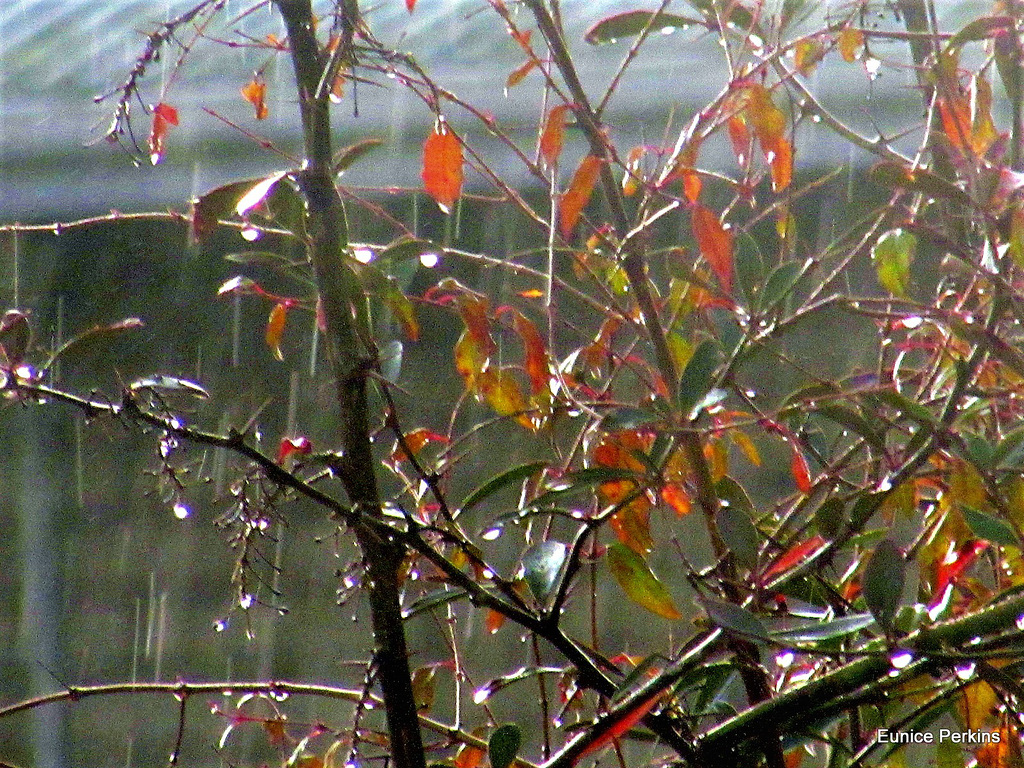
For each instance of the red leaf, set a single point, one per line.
(947, 574)
(255, 92)
(293, 445)
(675, 495)
(552, 136)
(415, 441)
(739, 137)
(536, 362)
(442, 166)
(410, 4)
(275, 328)
(801, 473)
(164, 116)
(715, 243)
(611, 732)
(576, 197)
(793, 556)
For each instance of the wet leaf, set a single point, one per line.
(424, 687)
(503, 746)
(733, 618)
(576, 197)
(883, 582)
(292, 446)
(675, 495)
(164, 116)
(552, 137)
(638, 581)
(816, 631)
(799, 469)
(470, 756)
(500, 481)
(517, 75)
(169, 384)
(715, 243)
(542, 563)
(501, 391)
(442, 166)
(633, 176)
(893, 254)
(779, 154)
(414, 441)
(793, 557)
(989, 528)
(255, 92)
(631, 23)
(275, 328)
(258, 194)
(696, 378)
(612, 729)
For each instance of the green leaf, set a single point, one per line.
(632, 23)
(696, 378)
(814, 631)
(896, 176)
(1010, 449)
(949, 754)
(501, 480)
(627, 417)
(541, 565)
(893, 254)
(344, 158)
(829, 518)
(503, 746)
(735, 524)
(850, 419)
(391, 361)
(989, 528)
(908, 408)
(884, 578)
(639, 582)
(733, 618)
(91, 340)
(980, 29)
(780, 283)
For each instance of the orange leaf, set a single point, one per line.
(633, 177)
(493, 621)
(552, 136)
(415, 441)
(293, 445)
(715, 243)
(767, 120)
(536, 362)
(611, 730)
(255, 92)
(576, 197)
(164, 116)
(468, 756)
(675, 495)
(691, 180)
(516, 75)
(739, 137)
(793, 556)
(956, 120)
(800, 471)
(850, 41)
(779, 153)
(275, 327)
(442, 166)
(474, 314)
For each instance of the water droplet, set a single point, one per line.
(1020, 622)
(250, 234)
(901, 659)
(246, 600)
(815, 118)
(181, 510)
(492, 533)
(965, 671)
(667, 30)
(480, 695)
(429, 260)
(784, 659)
(363, 255)
(220, 625)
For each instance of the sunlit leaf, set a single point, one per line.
(403, 310)
(850, 42)
(442, 166)
(552, 136)
(258, 195)
(541, 564)
(169, 384)
(893, 254)
(715, 243)
(632, 523)
(762, 114)
(633, 177)
(685, 165)
(806, 55)
(739, 137)
(470, 756)
(414, 441)
(883, 582)
(675, 495)
(164, 116)
(793, 557)
(799, 469)
(980, 29)
(536, 353)
(424, 687)
(502, 480)
(255, 92)
(503, 746)
(576, 197)
(631, 23)
(989, 528)
(275, 328)
(610, 730)
(816, 631)
(779, 154)
(696, 378)
(639, 582)
(493, 621)
(501, 391)
(293, 446)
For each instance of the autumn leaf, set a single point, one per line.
(517, 75)
(410, 4)
(275, 328)
(715, 243)
(164, 116)
(442, 166)
(612, 730)
(779, 154)
(633, 176)
(551, 137)
(639, 582)
(675, 495)
(806, 55)
(576, 197)
(798, 467)
(255, 92)
(291, 446)
(536, 362)
(739, 137)
(850, 41)
(793, 556)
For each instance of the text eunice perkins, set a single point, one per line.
(944, 734)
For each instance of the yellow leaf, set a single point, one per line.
(275, 328)
(850, 42)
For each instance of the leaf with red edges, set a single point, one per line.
(715, 243)
(442, 166)
(793, 556)
(612, 729)
(577, 196)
